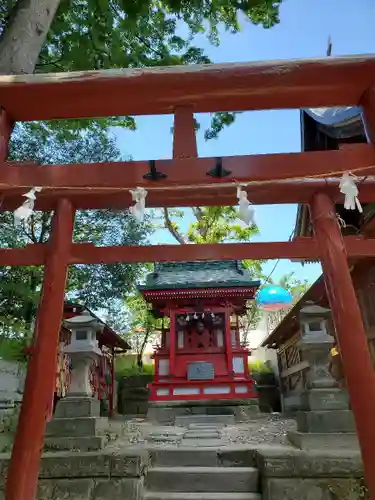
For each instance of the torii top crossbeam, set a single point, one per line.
(301, 83)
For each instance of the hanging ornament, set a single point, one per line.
(202, 315)
(246, 211)
(195, 316)
(212, 315)
(274, 298)
(138, 209)
(187, 317)
(24, 212)
(349, 188)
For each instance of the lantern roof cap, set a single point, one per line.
(314, 309)
(198, 274)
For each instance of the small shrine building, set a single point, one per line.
(200, 356)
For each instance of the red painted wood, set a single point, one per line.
(5, 132)
(219, 87)
(219, 194)
(188, 171)
(184, 139)
(41, 372)
(351, 335)
(368, 106)
(301, 248)
(172, 342)
(228, 343)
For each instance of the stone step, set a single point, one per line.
(187, 420)
(203, 426)
(205, 443)
(235, 456)
(83, 443)
(203, 479)
(160, 495)
(317, 441)
(202, 434)
(325, 421)
(184, 457)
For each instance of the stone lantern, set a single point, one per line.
(315, 344)
(77, 423)
(324, 420)
(82, 350)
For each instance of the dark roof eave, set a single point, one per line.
(192, 286)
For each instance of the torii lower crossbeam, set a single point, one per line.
(87, 253)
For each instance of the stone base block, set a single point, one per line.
(76, 427)
(325, 421)
(71, 407)
(316, 441)
(85, 443)
(342, 488)
(324, 399)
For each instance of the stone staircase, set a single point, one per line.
(200, 469)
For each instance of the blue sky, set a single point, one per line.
(303, 32)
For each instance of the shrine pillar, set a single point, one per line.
(172, 341)
(350, 332)
(228, 342)
(41, 371)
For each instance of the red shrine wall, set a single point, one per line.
(201, 358)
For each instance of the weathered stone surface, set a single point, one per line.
(325, 421)
(240, 457)
(281, 461)
(84, 443)
(315, 441)
(77, 407)
(129, 465)
(203, 479)
(182, 457)
(45, 490)
(325, 399)
(71, 427)
(202, 434)
(313, 489)
(186, 420)
(117, 489)
(76, 489)
(74, 464)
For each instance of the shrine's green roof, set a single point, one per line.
(198, 274)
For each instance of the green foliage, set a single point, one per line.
(143, 326)
(103, 34)
(259, 367)
(99, 286)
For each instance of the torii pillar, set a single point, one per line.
(41, 371)
(350, 332)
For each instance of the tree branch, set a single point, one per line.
(168, 224)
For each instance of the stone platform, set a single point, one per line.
(174, 412)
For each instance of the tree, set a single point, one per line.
(49, 35)
(99, 286)
(143, 326)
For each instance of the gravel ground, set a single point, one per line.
(265, 429)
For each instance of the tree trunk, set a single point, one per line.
(25, 34)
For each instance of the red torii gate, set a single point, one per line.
(190, 181)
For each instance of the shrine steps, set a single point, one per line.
(201, 496)
(203, 479)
